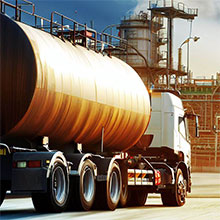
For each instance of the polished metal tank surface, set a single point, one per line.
(51, 88)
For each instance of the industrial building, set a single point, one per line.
(202, 97)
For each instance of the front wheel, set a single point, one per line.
(176, 196)
(55, 199)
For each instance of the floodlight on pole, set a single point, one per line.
(180, 53)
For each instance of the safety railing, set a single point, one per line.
(80, 34)
(18, 11)
(64, 27)
(153, 4)
(18, 7)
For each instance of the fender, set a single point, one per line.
(5, 146)
(181, 165)
(103, 166)
(77, 161)
(57, 155)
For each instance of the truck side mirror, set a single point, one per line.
(197, 125)
(192, 116)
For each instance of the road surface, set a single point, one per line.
(202, 204)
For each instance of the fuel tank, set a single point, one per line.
(50, 87)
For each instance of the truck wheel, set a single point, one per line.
(124, 188)
(108, 192)
(177, 196)
(55, 200)
(136, 198)
(113, 186)
(124, 195)
(82, 188)
(2, 192)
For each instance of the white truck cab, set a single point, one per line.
(168, 124)
(166, 145)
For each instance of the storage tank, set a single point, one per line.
(69, 93)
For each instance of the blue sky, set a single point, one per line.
(204, 54)
(102, 12)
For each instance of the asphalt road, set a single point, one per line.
(202, 204)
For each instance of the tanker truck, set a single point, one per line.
(79, 129)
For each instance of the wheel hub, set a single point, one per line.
(181, 188)
(88, 184)
(114, 186)
(59, 185)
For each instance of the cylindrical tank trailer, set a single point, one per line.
(69, 93)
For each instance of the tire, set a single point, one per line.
(82, 188)
(108, 192)
(124, 196)
(55, 200)
(113, 187)
(2, 192)
(176, 196)
(136, 198)
(124, 188)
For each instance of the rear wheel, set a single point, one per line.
(2, 192)
(113, 187)
(55, 200)
(124, 188)
(124, 195)
(176, 196)
(108, 192)
(82, 189)
(136, 198)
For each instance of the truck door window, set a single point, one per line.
(182, 126)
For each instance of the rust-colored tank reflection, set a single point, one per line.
(51, 88)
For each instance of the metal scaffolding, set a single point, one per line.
(170, 10)
(148, 33)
